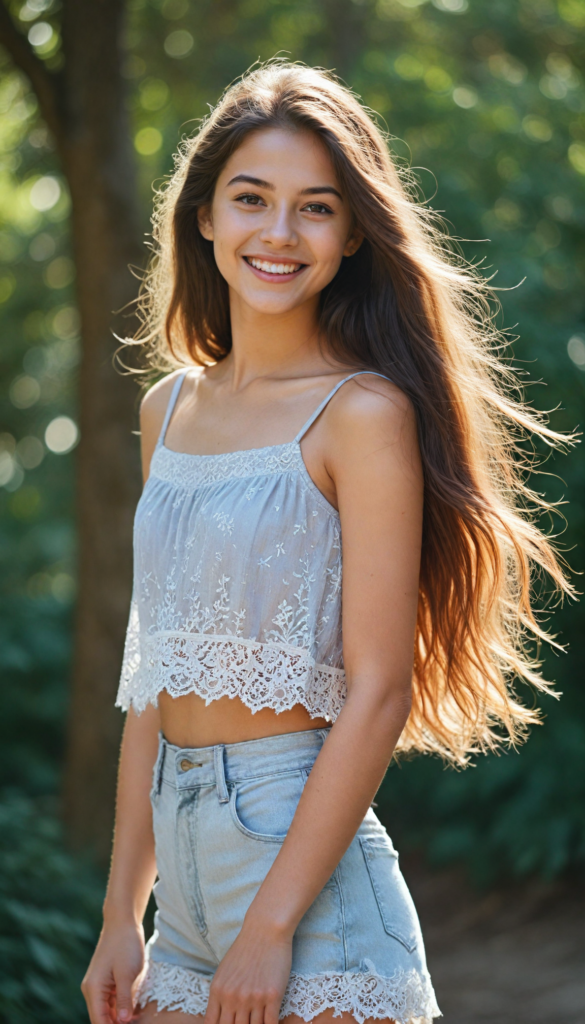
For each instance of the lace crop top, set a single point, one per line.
(237, 581)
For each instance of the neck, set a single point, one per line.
(273, 345)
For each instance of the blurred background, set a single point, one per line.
(486, 99)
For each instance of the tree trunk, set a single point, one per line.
(98, 162)
(84, 105)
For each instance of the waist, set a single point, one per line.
(189, 721)
(191, 767)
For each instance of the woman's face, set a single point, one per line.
(278, 220)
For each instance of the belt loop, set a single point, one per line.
(218, 764)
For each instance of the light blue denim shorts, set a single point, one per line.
(220, 816)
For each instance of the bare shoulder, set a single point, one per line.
(152, 413)
(371, 451)
(154, 403)
(369, 410)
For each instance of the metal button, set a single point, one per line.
(186, 765)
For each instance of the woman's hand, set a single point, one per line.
(109, 983)
(250, 981)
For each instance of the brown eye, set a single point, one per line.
(249, 199)
(317, 208)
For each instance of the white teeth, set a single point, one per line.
(274, 268)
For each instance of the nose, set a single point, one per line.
(278, 228)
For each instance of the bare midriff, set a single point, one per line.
(187, 722)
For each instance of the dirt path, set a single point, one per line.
(511, 956)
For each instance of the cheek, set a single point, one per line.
(226, 241)
(227, 233)
(328, 247)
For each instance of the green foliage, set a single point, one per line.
(487, 101)
(38, 356)
(49, 918)
(489, 97)
(510, 816)
(49, 901)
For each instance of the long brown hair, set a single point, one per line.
(407, 305)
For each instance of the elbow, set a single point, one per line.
(391, 716)
(397, 706)
(388, 703)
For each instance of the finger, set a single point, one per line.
(242, 1014)
(98, 1000)
(227, 1011)
(257, 1014)
(213, 1010)
(112, 1005)
(124, 1000)
(272, 1009)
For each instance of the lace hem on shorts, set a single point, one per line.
(262, 675)
(407, 997)
(173, 988)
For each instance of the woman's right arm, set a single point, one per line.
(119, 956)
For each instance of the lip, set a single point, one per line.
(273, 278)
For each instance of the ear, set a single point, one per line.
(205, 222)
(353, 243)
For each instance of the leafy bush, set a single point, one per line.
(49, 917)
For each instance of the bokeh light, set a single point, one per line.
(61, 435)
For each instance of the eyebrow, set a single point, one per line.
(314, 191)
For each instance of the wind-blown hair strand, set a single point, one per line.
(407, 305)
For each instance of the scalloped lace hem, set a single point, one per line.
(406, 998)
(173, 988)
(262, 675)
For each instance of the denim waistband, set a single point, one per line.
(189, 767)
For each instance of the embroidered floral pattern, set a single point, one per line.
(225, 523)
(237, 584)
(407, 997)
(219, 618)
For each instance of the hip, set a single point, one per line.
(220, 816)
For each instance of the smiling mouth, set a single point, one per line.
(274, 268)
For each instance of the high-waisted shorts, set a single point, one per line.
(220, 816)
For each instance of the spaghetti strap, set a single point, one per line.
(172, 402)
(328, 398)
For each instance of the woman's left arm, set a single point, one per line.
(375, 466)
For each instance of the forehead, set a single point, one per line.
(287, 158)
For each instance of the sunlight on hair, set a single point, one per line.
(409, 306)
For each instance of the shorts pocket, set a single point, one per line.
(264, 808)
(394, 901)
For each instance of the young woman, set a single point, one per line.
(337, 396)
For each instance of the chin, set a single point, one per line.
(269, 304)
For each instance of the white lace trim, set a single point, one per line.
(262, 675)
(407, 997)
(173, 988)
(190, 471)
